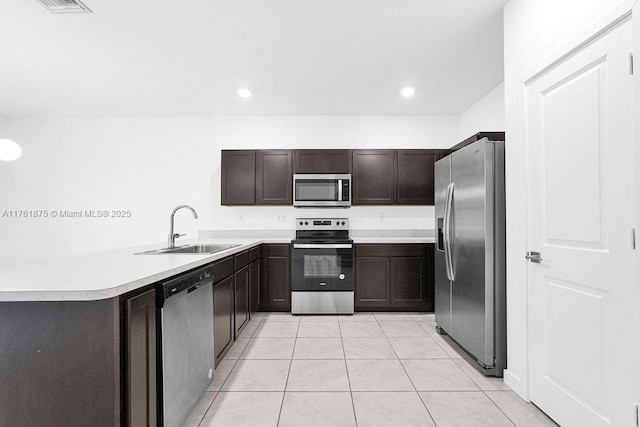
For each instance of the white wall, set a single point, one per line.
(151, 165)
(533, 29)
(485, 115)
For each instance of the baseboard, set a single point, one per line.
(516, 384)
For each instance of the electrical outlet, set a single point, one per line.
(381, 215)
(282, 218)
(241, 217)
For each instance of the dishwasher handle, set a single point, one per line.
(186, 283)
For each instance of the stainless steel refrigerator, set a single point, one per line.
(470, 303)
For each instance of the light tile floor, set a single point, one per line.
(362, 370)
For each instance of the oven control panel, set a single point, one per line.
(322, 223)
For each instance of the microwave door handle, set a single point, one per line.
(339, 190)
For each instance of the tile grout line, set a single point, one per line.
(208, 407)
(225, 380)
(498, 406)
(284, 392)
(405, 371)
(344, 354)
(477, 385)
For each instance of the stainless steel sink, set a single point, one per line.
(189, 249)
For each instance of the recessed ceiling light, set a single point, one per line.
(408, 91)
(243, 92)
(9, 150)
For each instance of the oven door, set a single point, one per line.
(322, 267)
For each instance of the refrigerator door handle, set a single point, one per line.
(444, 232)
(447, 233)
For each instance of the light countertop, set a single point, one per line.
(101, 275)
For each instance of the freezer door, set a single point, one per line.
(442, 284)
(472, 255)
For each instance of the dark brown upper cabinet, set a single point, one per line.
(374, 177)
(493, 136)
(379, 177)
(415, 176)
(322, 161)
(274, 172)
(238, 177)
(251, 177)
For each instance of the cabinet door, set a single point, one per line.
(415, 176)
(274, 177)
(308, 161)
(241, 298)
(223, 317)
(373, 276)
(238, 177)
(430, 277)
(322, 161)
(254, 286)
(141, 359)
(408, 276)
(337, 161)
(276, 284)
(374, 177)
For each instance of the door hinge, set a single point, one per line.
(635, 406)
(631, 63)
(633, 238)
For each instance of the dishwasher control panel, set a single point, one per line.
(188, 282)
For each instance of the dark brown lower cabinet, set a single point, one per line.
(254, 286)
(408, 279)
(241, 298)
(223, 306)
(275, 289)
(141, 359)
(61, 363)
(394, 277)
(373, 275)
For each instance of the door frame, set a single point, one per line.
(520, 382)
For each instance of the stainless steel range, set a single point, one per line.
(322, 267)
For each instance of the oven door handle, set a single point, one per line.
(322, 246)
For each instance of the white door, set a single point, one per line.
(580, 213)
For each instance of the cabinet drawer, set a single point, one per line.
(254, 253)
(391, 250)
(242, 259)
(278, 250)
(223, 269)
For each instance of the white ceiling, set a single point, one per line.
(188, 57)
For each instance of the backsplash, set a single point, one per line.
(290, 234)
(360, 217)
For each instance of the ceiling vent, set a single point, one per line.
(65, 6)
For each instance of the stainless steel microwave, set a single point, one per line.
(312, 190)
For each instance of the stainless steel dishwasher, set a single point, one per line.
(186, 344)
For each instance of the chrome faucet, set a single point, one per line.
(172, 237)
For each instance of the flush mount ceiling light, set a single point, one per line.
(9, 150)
(408, 91)
(243, 92)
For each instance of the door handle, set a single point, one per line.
(447, 233)
(444, 232)
(534, 257)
